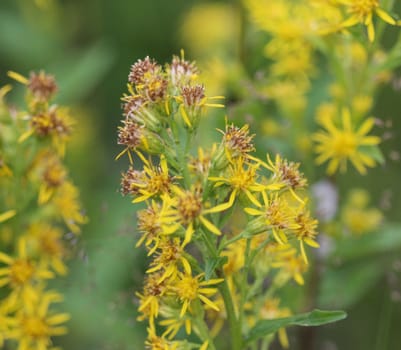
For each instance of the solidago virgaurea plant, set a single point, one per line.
(39, 212)
(314, 77)
(224, 229)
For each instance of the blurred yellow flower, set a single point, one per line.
(340, 144)
(362, 11)
(357, 216)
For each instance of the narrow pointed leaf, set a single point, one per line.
(313, 318)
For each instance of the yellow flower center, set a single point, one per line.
(189, 207)
(54, 175)
(21, 271)
(275, 214)
(243, 178)
(159, 182)
(187, 288)
(153, 287)
(363, 8)
(35, 327)
(344, 144)
(51, 246)
(149, 221)
(170, 252)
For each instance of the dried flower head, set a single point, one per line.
(130, 135)
(155, 89)
(286, 173)
(193, 95)
(130, 177)
(142, 68)
(42, 86)
(132, 104)
(51, 122)
(237, 140)
(182, 72)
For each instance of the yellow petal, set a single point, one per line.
(385, 16)
(212, 228)
(18, 77)
(7, 215)
(57, 319)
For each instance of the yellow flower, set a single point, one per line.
(152, 224)
(153, 181)
(47, 243)
(189, 288)
(35, 324)
(200, 166)
(362, 11)
(154, 342)
(53, 176)
(285, 258)
(285, 174)
(68, 207)
(54, 123)
(305, 231)
(7, 307)
(153, 290)
(188, 210)
(174, 324)
(241, 176)
(235, 254)
(21, 270)
(169, 257)
(220, 31)
(338, 145)
(276, 214)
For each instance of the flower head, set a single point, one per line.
(181, 71)
(340, 144)
(35, 324)
(42, 86)
(149, 302)
(67, 205)
(362, 11)
(189, 288)
(21, 270)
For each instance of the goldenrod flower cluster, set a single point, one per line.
(218, 222)
(39, 209)
(300, 34)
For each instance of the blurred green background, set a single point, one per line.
(89, 46)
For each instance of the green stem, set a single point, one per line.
(234, 324)
(184, 158)
(244, 283)
(242, 33)
(203, 332)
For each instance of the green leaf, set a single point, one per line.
(313, 318)
(212, 264)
